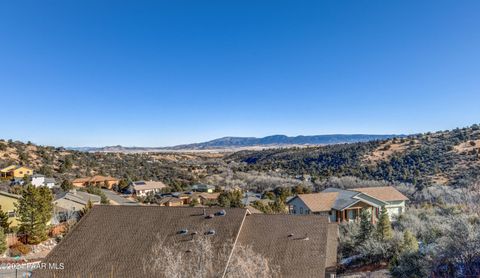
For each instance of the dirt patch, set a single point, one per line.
(440, 179)
(387, 149)
(467, 146)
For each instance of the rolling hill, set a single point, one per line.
(444, 157)
(233, 143)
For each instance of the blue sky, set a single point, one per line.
(155, 73)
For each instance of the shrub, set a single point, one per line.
(19, 249)
(411, 265)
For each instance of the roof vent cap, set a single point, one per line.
(211, 232)
(222, 212)
(183, 231)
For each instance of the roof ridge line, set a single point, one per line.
(234, 244)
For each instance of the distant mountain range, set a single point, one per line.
(227, 143)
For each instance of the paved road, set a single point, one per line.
(117, 199)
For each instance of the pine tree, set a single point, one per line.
(4, 223)
(3, 242)
(366, 227)
(35, 210)
(384, 227)
(278, 206)
(410, 243)
(122, 185)
(66, 185)
(230, 199)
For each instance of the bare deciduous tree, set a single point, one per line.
(201, 257)
(246, 263)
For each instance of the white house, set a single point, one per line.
(41, 180)
(142, 188)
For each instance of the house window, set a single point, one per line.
(301, 210)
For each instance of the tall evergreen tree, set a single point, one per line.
(384, 227)
(122, 185)
(410, 243)
(66, 185)
(3, 242)
(366, 227)
(35, 210)
(4, 223)
(230, 199)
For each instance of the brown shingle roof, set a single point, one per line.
(383, 193)
(282, 239)
(318, 202)
(209, 196)
(116, 239)
(119, 238)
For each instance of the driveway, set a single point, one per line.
(117, 199)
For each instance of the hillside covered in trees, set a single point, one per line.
(444, 157)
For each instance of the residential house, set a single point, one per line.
(204, 198)
(299, 246)
(395, 202)
(98, 181)
(15, 172)
(203, 188)
(170, 201)
(142, 188)
(346, 205)
(69, 204)
(41, 180)
(208, 198)
(7, 203)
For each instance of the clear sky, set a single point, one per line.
(156, 73)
